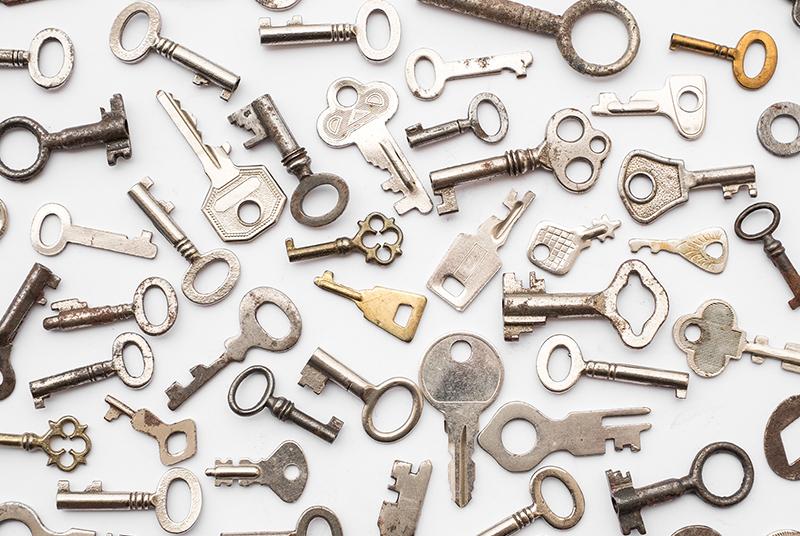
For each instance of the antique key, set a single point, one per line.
(629, 501)
(554, 154)
(323, 367)
(111, 131)
(205, 71)
(146, 422)
(29, 441)
(399, 517)
(364, 124)
(30, 58)
(668, 183)
(417, 136)
(307, 517)
(43, 388)
(251, 335)
(693, 248)
(526, 308)
(382, 253)
(14, 511)
(561, 246)
(461, 390)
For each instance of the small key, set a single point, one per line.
(269, 472)
(671, 379)
(282, 408)
(736, 55)
(382, 253)
(30, 293)
(472, 259)
(516, 62)
(303, 524)
(554, 154)
(29, 441)
(784, 417)
(297, 33)
(364, 124)
(461, 390)
(668, 183)
(323, 367)
(111, 131)
(694, 248)
(417, 136)
(14, 511)
(95, 498)
(30, 58)
(146, 422)
(400, 517)
(628, 501)
(205, 71)
(562, 246)
(526, 308)
(251, 335)
(766, 136)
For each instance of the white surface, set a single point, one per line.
(351, 476)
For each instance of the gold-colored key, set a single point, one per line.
(58, 429)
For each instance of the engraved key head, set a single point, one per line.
(719, 339)
(339, 124)
(665, 178)
(159, 499)
(126, 340)
(273, 471)
(563, 247)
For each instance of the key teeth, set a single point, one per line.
(313, 379)
(617, 480)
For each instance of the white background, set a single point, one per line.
(351, 476)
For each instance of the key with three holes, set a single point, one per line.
(418, 136)
(30, 58)
(564, 245)
(303, 524)
(29, 441)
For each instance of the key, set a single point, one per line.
(111, 131)
(375, 224)
(461, 391)
(400, 517)
(696, 530)
(561, 246)
(278, 5)
(251, 335)
(323, 367)
(14, 511)
(30, 293)
(736, 55)
(159, 213)
(628, 501)
(417, 136)
(3, 218)
(526, 308)
(694, 248)
(668, 182)
(205, 71)
(264, 120)
(74, 313)
(30, 58)
(232, 186)
(61, 458)
(689, 120)
(269, 472)
(516, 62)
(97, 499)
(782, 418)
(553, 154)
(764, 128)
(364, 124)
(796, 12)
(472, 260)
(146, 422)
(307, 517)
(297, 33)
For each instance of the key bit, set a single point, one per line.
(399, 518)
(14, 511)
(71, 458)
(563, 246)
(693, 248)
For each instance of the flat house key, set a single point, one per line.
(417, 136)
(14, 511)
(30, 58)
(461, 390)
(303, 524)
(694, 248)
(57, 430)
(399, 517)
(561, 246)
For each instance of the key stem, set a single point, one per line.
(88, 316)
(326, 282)
(702, 46)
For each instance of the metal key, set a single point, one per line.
(628, 501)
(417, 136)
(554, 154)
(696, 530)
(796, 11)
(472, 259)
(364, 124)
(516, 62)
(618, 372)
(693, 248)
(205, 71)
(30, 58)
(251, 335)
(111, 131)
(269, 472)
(14, 511)
(42, 389)
(323, 367)
(29, 441)
(315, 512)
(461, 391)
(526, 308)
(784, 417)
(146, 422)
(562, 246)
(400, 517)
(30, 293)
(669, 182)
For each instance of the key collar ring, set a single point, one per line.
(262, 402)
(195, 500)
(304, 188)
(474, 120)
(707, 495)
(201, 261)
(374, 395)
(58, 79)
(149, 40)
(577, 364)
(132, 339)
(770, 59)
(319, 512)
(764, 233)
(38, 131)
(541, 507)
(362, 40)
(65, 221)
(140, 314)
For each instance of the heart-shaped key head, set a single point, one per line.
(668, 187)
(375, 101)
(719, 341)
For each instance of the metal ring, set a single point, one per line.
(150, 37)
(697, 474)
(372, 401)
(576, 368)
(768, 230)
(305, 187)
(362, 39)
(225, 288)
(259, 406)
(58, 79)
(372, 253)
(140, 314)
(3, 218)
(540, 505)
(64, 219)
(132, 339)
(474, 120)
(770, 59)
(195, 500)
(437, 86)
(26, 123)
(319, 512)
(764, 129)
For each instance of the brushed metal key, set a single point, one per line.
(66, 460)
(563, 246)
(399, 517)
(30, 58)
(303, 524)
(418, 136)
(694, 248)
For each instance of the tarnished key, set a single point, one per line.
(399, 517)
(694, 248)
(14, 511)
(417, 136)
(30, 58)
(461, 391)
(560, 247)
(58, 430)
(307, 517)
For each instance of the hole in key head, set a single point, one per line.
(559, 364)
(757, 221)
(319, 200)
(461, 351)
(51, 57)
(692, 332)
(178, 500)
(640, 187)
(378, 30)
(689, 100)
(557, 496)
(12, 527)
(714, 249)
(155, 301)
(403, 314)
(134, 31)
(518, 436)
(291, 472)
(318, 527)
(19, 148)
(273, 320)
(597, 145)
(599, 37)
(724, 472)
(392, 411)
(249, 212)
(790, 437)
(785, 129)
(636, 303)
(176, 443)
(346, 96)
(424, 73)
(489, 118)
(579, 170)
(754, 58)
(452, 286)
(570, 129)
(541, 252)
(50, 231)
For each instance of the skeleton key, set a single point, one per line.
(693, 248)
(461, 391)
(516, 62)
(563, 246)
(29, 441)
(315, 512)
(472, 259)
(14, 511)
(399, 517)
(417, 136)
(364, 124)
(30, 58)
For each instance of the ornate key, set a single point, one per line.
(29, 441)
(417, 136)
(14, 511)
(30, 58)
(399, 517)
(562, 246)
(315, 512)
(693, 248)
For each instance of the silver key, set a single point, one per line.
(563, 246)
(364, 124)
(461, 391)
(417, 136)
(14, 511)
(399, 518)
(516, 62)
(30, 58)
(693, 248)
(315, 512)
(142, 246)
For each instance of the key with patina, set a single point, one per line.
(66, 460)
(399, 518)
(562, 246)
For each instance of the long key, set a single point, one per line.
(629, 501)
(30, 58)
(307, 517)
(364, 124)
(693, 248)
(562, 246)
(417, 136)
(14, 511)
(58, 430)
(400, 517)
(461, 390)
(516, 62)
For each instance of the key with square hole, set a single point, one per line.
(400, 517)
(30, 58)
(303, 524)
(418, 136)
(565, 245)
(693, 248)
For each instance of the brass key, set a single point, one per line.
(29, 441)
